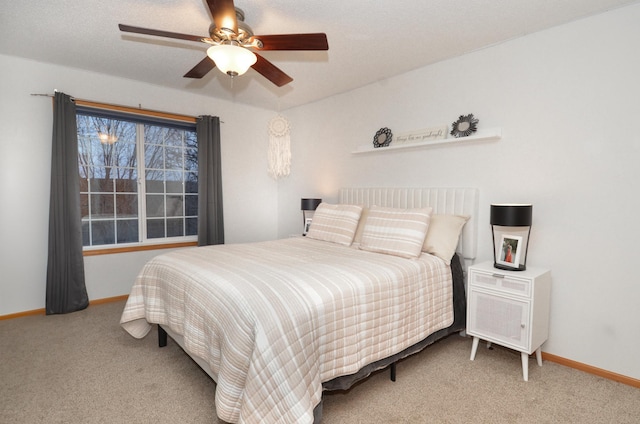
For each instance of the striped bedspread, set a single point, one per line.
(276, 319)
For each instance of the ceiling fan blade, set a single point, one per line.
(271, 72)
(314, 41)
(201, 69)
(223, 13)
(159, 33)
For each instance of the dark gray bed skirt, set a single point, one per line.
(459, 324)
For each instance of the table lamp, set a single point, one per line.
(511, 227)
(308, 205)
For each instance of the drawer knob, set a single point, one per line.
(497, 275)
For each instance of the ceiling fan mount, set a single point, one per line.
(229, 29)
(244, 36)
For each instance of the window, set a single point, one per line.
(138, 178)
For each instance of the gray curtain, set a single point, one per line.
(66, 290)
(210, 219)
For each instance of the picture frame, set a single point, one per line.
(509, 250)
(307, 225)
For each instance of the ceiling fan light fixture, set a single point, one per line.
(232, 59)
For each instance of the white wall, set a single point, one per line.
(567, 101)
(25, 157)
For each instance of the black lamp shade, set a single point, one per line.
(511, 215)
(511, 228)
(309, 204)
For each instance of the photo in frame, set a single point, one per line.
(508, 251)
(307, 225)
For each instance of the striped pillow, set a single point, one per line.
(399, 232)
(335, 223)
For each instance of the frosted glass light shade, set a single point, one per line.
(107, 138)
(232, 60)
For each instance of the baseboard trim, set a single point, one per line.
(23, 314)
(591, 369)
(42, 311)
(108, 300)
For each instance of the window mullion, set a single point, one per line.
(142, 192)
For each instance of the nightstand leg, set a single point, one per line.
(539, 356)
(525, 365)
(474, 348)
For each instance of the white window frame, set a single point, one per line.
(152, 118)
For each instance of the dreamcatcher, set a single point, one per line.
(279, 147)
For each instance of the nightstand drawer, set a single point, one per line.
(501, 282)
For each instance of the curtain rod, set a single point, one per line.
(130, 109)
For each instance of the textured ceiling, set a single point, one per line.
(368, 40)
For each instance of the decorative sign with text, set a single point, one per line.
(427, 134)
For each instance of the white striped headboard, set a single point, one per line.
(459, 201)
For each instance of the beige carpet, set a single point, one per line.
(83, 368)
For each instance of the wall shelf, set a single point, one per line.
(491, 134)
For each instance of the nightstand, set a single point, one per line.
(509, 308)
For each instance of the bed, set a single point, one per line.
(277, 323)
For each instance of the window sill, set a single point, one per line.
(108, 251)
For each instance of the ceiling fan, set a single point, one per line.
(233, 44)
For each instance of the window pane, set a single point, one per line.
(191, 160)
(191, 140)
(154, 134)
(155, 228)
(127, 183)
(102, 232)
(173, 137)
(174, 182)
(191, 182)
(173, 158)
(127, 205)
(107, 153)
(96, 172)
(175, 227)
(154, 181)
(155, 206)
(174, 206)
(102, 206)
(192, 226)
(124, 155)
(127, 231)
(191, 205)
(86, 240)
(153, 156)
(84, 206)
(174, 186)
(83, 172)
(103, 185)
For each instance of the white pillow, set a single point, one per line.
(443, 235)
(335, 223)
(393, 231)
